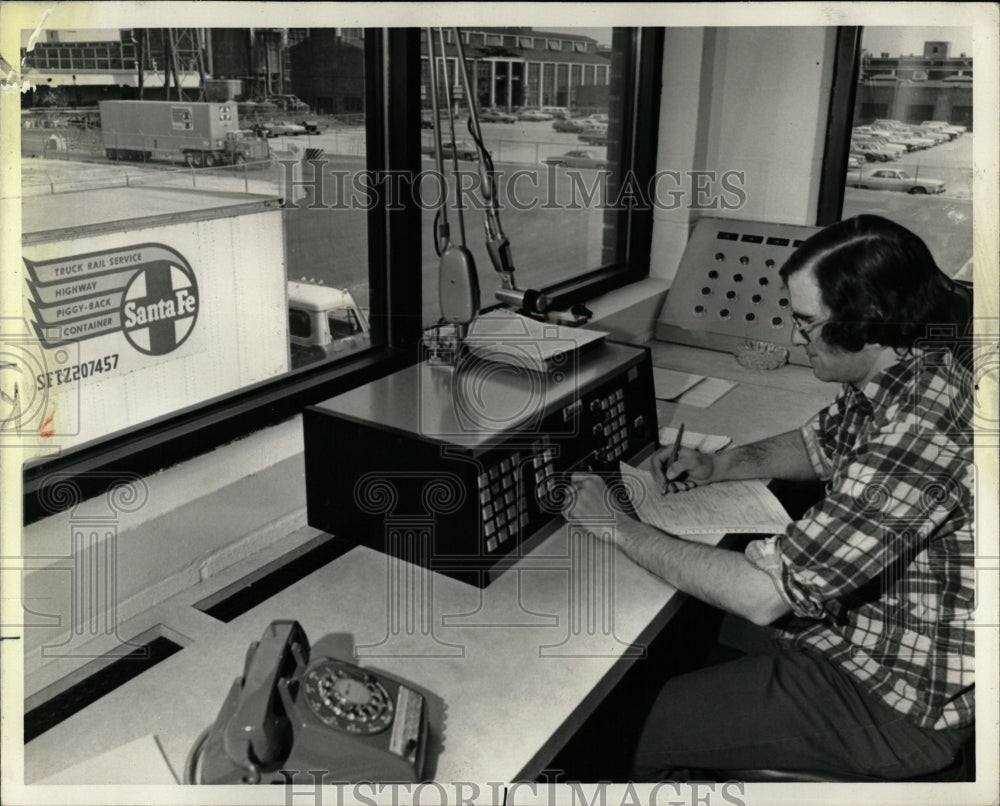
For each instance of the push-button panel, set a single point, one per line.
(728, 293)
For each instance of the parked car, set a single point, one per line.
(944, 126)
(497, 116)
(936, 135)
(561, 125)
(464, 149)
(855, 161)
(883, 141)
(866, 156)
(895, 179)
(876, 151)
(533, 114)
(579, 158)
(311, 126)
(595, 137)
(556, 111)
(280, 128)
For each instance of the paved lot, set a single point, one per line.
(551, 237)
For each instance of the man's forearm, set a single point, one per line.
(720, 577)
(779, 457)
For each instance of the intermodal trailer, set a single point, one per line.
(142, 301)
(200, 134)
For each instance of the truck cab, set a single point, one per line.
(322, 322)
(243, 145)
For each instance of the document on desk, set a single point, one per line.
(729, 506)
(704, 394)
(669, 384)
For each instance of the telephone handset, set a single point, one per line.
(290, 714)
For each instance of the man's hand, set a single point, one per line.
(691, 466)
(591, 504)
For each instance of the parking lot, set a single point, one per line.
(552, 238)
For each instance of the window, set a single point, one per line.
(494, 39)
(224, 370)
(526, 42)
(924, 130)
(564, 223)
(532, 85)
(555, 44)
(343, 322)
(580, 47)
(193, 342)
(299, 324)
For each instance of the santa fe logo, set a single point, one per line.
(148, 292)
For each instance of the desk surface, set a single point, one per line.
(517, 667)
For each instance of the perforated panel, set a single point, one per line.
(728, 289)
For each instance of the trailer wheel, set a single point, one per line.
(112, 153)
(208, 158)
(193, 159)
(239, 159)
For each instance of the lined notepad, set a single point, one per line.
(728, 506)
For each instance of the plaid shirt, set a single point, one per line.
(880, 572)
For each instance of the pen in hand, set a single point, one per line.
(674, 455)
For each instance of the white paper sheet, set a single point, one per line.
(706, 443)
(706, 393)
(729, 506)
(669, 385)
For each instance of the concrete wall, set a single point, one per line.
(750, 101)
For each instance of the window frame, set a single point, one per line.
(839, 122)
(392, 91)
(635, 228)
(393, 104)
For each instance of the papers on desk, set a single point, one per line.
(669, 385)
(687, 388)
(706, 443)
(729, 506)
(137, 762)
(704, 394)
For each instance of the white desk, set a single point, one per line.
(518, 666)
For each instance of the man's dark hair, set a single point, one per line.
(878, 280)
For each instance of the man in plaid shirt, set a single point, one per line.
(866, 667)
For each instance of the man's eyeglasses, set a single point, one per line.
(806, 328)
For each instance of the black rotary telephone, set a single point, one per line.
(291, 715)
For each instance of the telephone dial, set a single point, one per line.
(291, 714)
